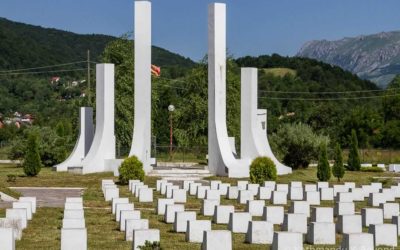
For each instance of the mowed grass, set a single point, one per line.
(281, 72)
(44, 230)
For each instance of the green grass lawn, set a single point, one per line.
(280, 71)
(43, 231)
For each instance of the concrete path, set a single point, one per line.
(49, 196)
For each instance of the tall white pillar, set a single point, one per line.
(220, 158)
(253, 137)
(82, 146)
(141, 141)
(103, 145)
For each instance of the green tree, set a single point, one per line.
(32, 163)
(60, 129)
(298, 144)
(323, 168)
(354, 163)
(338, 169)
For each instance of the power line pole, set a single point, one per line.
(88, 76)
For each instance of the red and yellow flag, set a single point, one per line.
(155, 70)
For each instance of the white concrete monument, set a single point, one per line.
(253, 123)
(141, 141)
(82, 146)
(103, 145)
(221, 161)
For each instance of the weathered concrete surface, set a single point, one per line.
(49, 197)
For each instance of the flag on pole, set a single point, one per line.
(155, 71)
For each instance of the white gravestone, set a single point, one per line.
(348, 224)
(371, 216)
(195, 230)
(296, 223)
(181, 219)
(7, 241)
(208, 207)
(170, 210)
(140, 237)
(321, 233)
(74, 239)
(287, 241)
(260, 232)
(161, 205)
(222, 213)
(273, 214)
(132, 225)
(239, 222)
(384, 234)
(357, 241)
(217, 240)
(127, 215)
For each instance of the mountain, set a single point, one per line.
(374, 57)
(23, 46)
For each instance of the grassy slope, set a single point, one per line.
(43, 231)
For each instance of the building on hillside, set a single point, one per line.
(27, 119)
(55, 79)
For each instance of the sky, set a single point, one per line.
(254, 27)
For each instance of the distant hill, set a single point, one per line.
(315, 75)
(374, 57)
(23, 45)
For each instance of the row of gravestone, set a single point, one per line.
(73, 231)
(322, 228)
(136, 229)
(16, 221)
(319, 232)
(295, 222)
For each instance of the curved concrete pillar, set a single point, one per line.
(141, 141)
(232, 142)
(103, 145)
(82, 146)
(220, 158)
(253, 122)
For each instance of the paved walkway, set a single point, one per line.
(49, 196)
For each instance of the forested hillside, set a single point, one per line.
(294, 90)
(24, 46)
(47, 53)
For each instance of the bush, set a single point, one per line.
(372, 169)
(298, 144)
(52, 148)
(32, 162)
(131, 169)
(354, 163)
(323, 168)
(155, 245)
(262, 169)
(338, 167)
